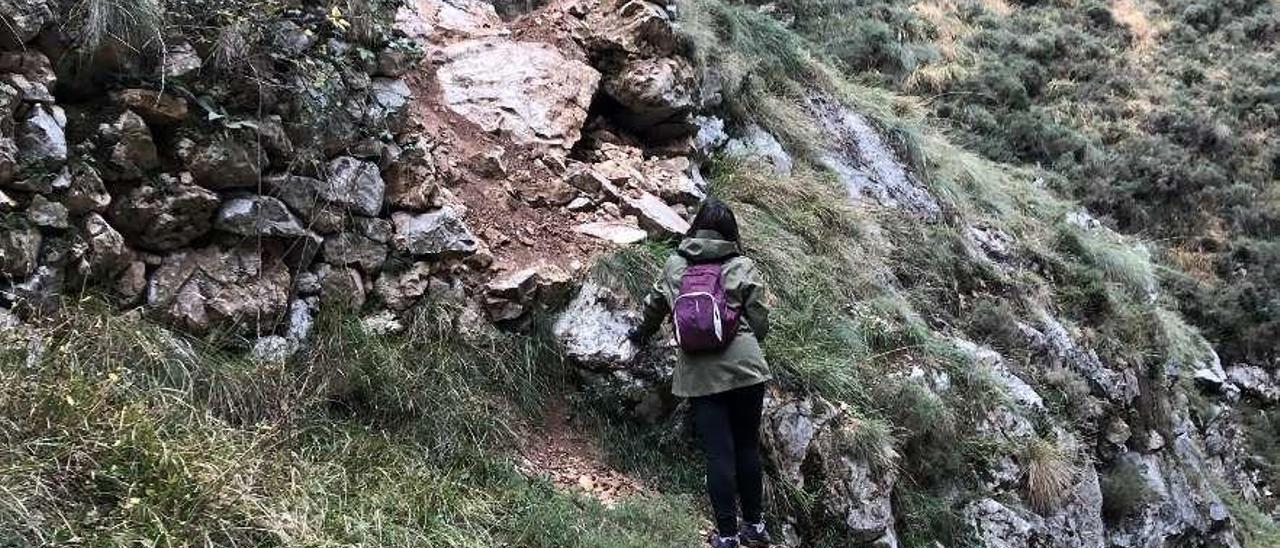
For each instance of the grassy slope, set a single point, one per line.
(122, 432)
(865, 292)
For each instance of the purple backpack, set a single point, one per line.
(701, 314)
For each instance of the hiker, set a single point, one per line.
(715, 296)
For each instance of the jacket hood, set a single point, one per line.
(706, 245)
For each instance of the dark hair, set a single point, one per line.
(715, 215)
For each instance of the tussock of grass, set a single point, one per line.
(1050, 474)
(1120, 262)
(135, 25)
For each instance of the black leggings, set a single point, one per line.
(728, 424)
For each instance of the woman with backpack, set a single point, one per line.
(715, 298)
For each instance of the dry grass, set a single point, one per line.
(1049, 474)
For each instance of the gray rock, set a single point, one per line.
(29, 90)
(226, 163)
(436, 234)
(1255, 382)
(107, 254)
(867, 166)
(412, 180)
(19, 248)
(389, 101)
(1180, 504)
(258, 216)
(180, 59)
(292, 39)
(542, 99)
(87, 191)
(354, 184)
(509, 296)
(1056, 344)
(581, 203)
(804, 437)
(401, 289)
(45, 213)
(165, 217)
(593, 328)
(633, 27)
(134, 153)
(7, 203)
(652, 90)
(349, 248)
(656, 217)
(618, 232)
(382, 323)
(307, 283)
(340, 287)
(237, 289)
(8, 160)
(760, 147)
(22, 20)
(153, 106)
(41, 139)
(393, 62)
(710, 135)
(998, 526)
(272, 349)
(132, 282)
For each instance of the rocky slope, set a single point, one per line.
(488, 161)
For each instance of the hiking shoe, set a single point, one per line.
(754, 535)
(717, 541)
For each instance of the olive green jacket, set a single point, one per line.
(742, 363)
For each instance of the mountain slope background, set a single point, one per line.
(966, 354)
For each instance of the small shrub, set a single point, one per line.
(1124, 491)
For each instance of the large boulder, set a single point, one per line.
(542, 99)
(226, 163)
(258, 216)
(631, 27)
(439, 234)
(41, 137)
(166, 216)
(656, 95)
(593, 328)
(238, 289)
(19, 249)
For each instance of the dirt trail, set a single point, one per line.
(558, 451)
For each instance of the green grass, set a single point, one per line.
(120, 432)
